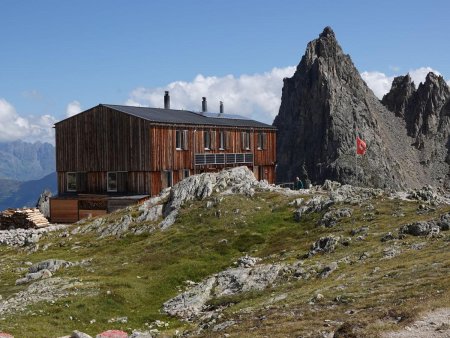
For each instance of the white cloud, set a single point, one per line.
(256, 96)
(14, 127)
(73, 108)
(380, 83)
(418, 75)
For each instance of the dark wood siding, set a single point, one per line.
(102, 139)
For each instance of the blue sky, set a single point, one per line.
(60, 57)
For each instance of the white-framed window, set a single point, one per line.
(207, 139)
(71, 181)
(112, 181)
(181, 139)
(245, 139)
(222, 140)
(262, 141)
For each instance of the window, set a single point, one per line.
(112, 181)
(71, 181)
(207, 139)
(168, 178)
(181, 137)
(186, 173)
(262, 141)
(245, 139)
(222, 140)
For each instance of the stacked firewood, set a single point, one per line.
(22, 218)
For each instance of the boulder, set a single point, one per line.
(43, 203)
(332, 217)
(29, 277)
(328, 269)
(325, 244)
(79, 334)
(422, 228)
(52, 265)
(191, 303)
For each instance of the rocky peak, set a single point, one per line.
(325, 105)
(401, 91)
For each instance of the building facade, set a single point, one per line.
(111, 156)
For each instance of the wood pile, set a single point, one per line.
(30, 218)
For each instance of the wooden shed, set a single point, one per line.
(111, 156)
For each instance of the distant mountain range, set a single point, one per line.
(16, 194)
(23, 161)
(26, 170)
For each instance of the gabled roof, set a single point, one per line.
(174, 116)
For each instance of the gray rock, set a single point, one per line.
(29, 277)
(332, 217)
(421, 228)
(139, 334)
(232, 281)
(387, 237)
(325, 244)
(391, 252)
(247, 261)
(23, 237)
(224, 325)
(50, 264)
(43, 203)
(327, 270)
(190, 303)
(79, 334)
(151, 214)
(297, 202)
(315, 204)
(444, 222)
(44, 290)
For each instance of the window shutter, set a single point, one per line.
(264, 141)
(213, 140)
(243, 140)
(185, 139)
(228, 142)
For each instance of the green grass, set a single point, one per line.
(134, 275)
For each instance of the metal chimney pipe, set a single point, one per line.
(166, 100)
(204, 105)
(221, 107)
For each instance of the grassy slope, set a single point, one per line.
(134, 275)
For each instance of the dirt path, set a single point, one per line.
(433, 324)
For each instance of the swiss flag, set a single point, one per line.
(360, 146)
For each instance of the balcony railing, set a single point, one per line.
(223, 159)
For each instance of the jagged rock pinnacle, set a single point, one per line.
(326, 105)
(327, 32)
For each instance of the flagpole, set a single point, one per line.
(356, 158)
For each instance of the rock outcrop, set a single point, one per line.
(193, 302)
(426, 112)
(325, 105)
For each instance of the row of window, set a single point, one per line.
(74, 179)
(209, 140)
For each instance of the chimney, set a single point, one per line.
(204, 105)
(221, 107)
(166, 100)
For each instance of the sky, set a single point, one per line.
(58, 58)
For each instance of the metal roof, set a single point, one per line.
(173, 116)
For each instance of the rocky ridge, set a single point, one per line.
(325, 105)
